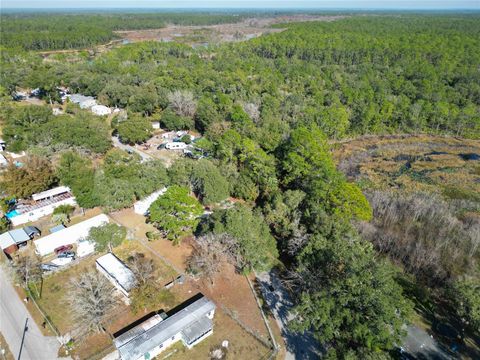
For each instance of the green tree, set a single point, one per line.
(61, 214)
(307, 165)
(134, 130)
(172, 121)
(78, 173)
(175, 213)
(347, 297)
(34, 176)
(107, 235)
(466, 295)
(208, 183)
(257, 247)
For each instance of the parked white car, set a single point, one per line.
(176, 146)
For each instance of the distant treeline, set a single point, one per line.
(53, 32)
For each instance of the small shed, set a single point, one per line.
(11, 240)
(156, 125)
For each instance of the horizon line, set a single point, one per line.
(249, 8)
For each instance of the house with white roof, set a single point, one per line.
(117, 272)
(68, 236)
(101, 110)
(43, 204)
(192, 324)
(85, 102)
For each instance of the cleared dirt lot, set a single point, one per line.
(214, 34)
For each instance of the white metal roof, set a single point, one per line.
(118, 270)
(6, 240)
(13, 237)
(3, 160)
(138, 341)
(141, 207)
(69, 235)
(52, 192)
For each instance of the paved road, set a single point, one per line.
(118, 144)
(300, 347)
(13, 314)
(418, 344)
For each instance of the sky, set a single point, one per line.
(388, 4)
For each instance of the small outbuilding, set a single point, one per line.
(12, 240)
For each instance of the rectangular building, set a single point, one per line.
(43, 204)
(191, 324)
(117, 272)
(68, 236)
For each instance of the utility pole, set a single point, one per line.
(25, 328)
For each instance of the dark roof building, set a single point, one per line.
(191, 325)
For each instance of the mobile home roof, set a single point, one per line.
(69, 235)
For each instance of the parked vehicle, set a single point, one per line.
(32, 231)
(62, 261)
(48, 267)
(67, 254)
(161, 146)
(63, 249)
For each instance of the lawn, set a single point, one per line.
(241, 345)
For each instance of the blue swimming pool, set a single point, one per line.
(12, 214)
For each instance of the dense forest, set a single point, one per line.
(269, 110)
(71, 31)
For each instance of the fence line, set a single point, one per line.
(265, 320)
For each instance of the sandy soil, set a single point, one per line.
(214, 34)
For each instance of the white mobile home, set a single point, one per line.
(101, 110)
(70, 235)
(43, 204)
(190, 325)
(141, 207)
(117, 272)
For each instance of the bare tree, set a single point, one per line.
(27, 269)
(91, 298)
(142, 267)
(422, 231)
(252, 110)
(182, 102)
(210, 252)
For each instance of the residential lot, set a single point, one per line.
(237, 319)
